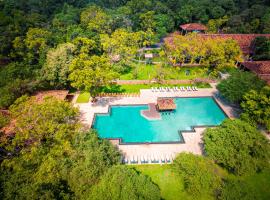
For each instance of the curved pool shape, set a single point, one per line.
(127, 123)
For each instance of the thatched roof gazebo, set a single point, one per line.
(166, 104)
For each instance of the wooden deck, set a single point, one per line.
(151, 113)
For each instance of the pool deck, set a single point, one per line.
(193, 141)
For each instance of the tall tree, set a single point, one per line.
(91, 73)
(56, 67)
(238, 147)
(256, 106)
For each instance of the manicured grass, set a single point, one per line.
(148, 72)
(83, 97)
(170, 184)
(260, 184)
(136, 88)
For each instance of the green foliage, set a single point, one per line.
(192, 48)
(95, 19)
(201, 175)
(13, 90)
(238, 84)
(121, 183)
(83, 97)
(91, 73)
(65, 169)
(170, 184)
(36, 121)
(56, 67)
(262, 48)
(248, 188)
(237, 146)
(214, 25)
(122, 44)
(4, 120)
(256, 106)
(49, 157)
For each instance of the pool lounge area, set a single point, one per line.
(139, 152)
(126, 122)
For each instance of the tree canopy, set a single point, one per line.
(121, 183)
(256, 106)
(237, 146)
(50, 156)
(238, 84)
(201, 175)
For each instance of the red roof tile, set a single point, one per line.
(193, 26)
(261, 68)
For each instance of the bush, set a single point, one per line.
(239, 83)
(3, 120)
(256, 107)
(201, 175)
(237, 146)
(122, 183)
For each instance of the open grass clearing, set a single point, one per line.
(149, 72)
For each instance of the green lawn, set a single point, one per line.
(148, 72)
(170, 186)
(136, 88)
(83, 97)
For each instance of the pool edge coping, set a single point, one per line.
(180, 132)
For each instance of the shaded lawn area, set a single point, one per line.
(259, 184)
(83, 97)
(149, 72)
(171, 187)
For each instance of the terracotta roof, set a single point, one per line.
(193, 26)
(166, 104)
(245, 41)
(261, 68)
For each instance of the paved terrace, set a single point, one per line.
(193, 141)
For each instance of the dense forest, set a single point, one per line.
(74, 45)
(35, 33)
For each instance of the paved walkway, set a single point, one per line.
(193, 142)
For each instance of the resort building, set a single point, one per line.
(261, 68)
(192, 27)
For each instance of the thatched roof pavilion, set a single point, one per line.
(164, 104)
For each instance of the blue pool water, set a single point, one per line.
(126, 122)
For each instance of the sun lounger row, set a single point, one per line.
(174, 89)
(119, 94)
(149, 159)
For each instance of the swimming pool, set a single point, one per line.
(127, 123)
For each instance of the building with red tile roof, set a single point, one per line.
(261, 68)
(193, 27)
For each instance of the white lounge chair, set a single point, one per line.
(152, 89)
(188, 88)
(163, 160)
(196, 89)
(168, 159)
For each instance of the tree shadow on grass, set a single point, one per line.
(113, 89)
